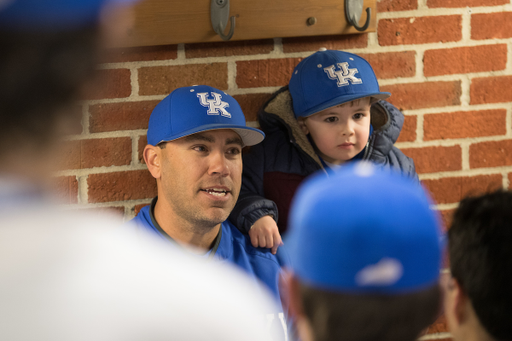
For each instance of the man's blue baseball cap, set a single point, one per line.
(364, 230)
(52, 14)
(198, 108)
(328, 78)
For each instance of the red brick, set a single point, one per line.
(452, 190)
(464, 3)
(66, 189)
(331, 42)
(143, 141)
(137, 208)
(408, 133)
(490, 154)
(435, 159)
(412, 95)
(120, 116)
(162, 80)
(251, 104)
(396, 5)
(121, 186)
(140, 54)
(465, 60)
(438, 327)
(491, 25)
(422, 30)
(392, 64)
(111, 83)
(265, 72)
(447, 218)
(97, 153)
(69, 156)
(491, 90)
(464, 124)
(115, 151)
(229, 48)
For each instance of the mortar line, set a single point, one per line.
(134, 79)
(83, 189)
(85, 119)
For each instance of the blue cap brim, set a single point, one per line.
(250, 136)
(340, 100)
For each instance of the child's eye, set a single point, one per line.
(331, 119)
(358, 116)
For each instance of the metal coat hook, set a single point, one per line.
(219, 17)
(353, 12)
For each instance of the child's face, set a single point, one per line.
(339, 132)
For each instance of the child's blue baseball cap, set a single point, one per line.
(328, 78)
(364, 230)
(52, 14)
(198, 108)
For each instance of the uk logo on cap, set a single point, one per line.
(343, 75)
(215, 106)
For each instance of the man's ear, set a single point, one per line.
(460, 300)
(153, 158)
(302, 125)
(291, 299)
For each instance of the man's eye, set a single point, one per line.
(331, 119)
(234, 151)
(200, 149)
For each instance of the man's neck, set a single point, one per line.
(183, 231)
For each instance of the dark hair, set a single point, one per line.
(41, 73)
(480, 246)
(355, 317)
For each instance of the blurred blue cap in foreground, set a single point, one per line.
(364, 230)
(52, 14)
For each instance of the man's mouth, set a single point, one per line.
(218, 192)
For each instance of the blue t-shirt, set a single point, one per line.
(230, 245)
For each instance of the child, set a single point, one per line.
(330, 113)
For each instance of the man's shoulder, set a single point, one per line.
(242, 243)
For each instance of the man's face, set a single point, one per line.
(201, 175)
(340, 132)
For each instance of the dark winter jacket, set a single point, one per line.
(274, 168)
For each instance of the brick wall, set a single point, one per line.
(447, 64)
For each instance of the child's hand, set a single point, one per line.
(264, 233)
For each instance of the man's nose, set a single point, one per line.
(218, 164)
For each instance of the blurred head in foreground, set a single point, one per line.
(48, 52)
(67, 276)
(365, 254)
(478, 299)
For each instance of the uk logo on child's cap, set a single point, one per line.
(364, 230)
(198, 108)
(328, 78)
(344, 75)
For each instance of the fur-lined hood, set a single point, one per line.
(387, 122)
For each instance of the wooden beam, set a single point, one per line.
(162, 22)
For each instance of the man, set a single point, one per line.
(195, 140)
(478, 298)
(65, 275)
(365, 256)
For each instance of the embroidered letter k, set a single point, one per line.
(344, 75)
